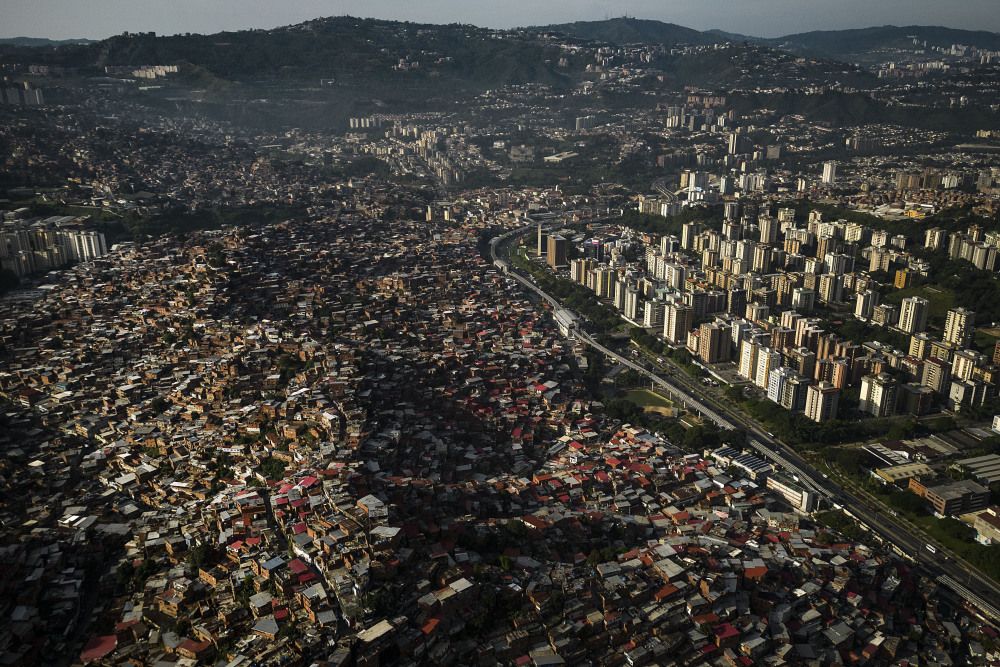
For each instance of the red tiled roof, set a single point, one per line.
(99, 647)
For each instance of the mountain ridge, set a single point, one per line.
(829, 43)
(840, 43)
(43, 41)
(632, 31)
(626, 30)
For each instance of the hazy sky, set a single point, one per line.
(95, 19)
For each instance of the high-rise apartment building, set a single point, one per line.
(748, 360)
(688, 232)
(652, 317)
(618, 294)
(87, 245)
(934, 238)
(803, 299)
(739, 143)
(829, 172)
(604, 280)
(793, 393)
(714, 342)
(769, 228)
(767, 360)
(958, 326)
(920, 345)
(965, 363)
(677, 321)
(866, 303)
(879, 394)
(913, 315)
(831, 288)
(822, 401)
(776, 382)
(556, 251)
(631, 310)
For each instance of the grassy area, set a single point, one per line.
(942, 299)
(986, 340)
(645, 398)
(934, 527)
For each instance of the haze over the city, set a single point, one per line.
(68, 19)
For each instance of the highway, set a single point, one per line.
(948, 571)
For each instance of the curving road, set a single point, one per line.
(949, 571)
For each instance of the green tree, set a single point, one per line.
(906, 501)
(125, 573)
(198, 556)
(244, 591)
(273, 468)
(623, 410)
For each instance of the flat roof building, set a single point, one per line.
(899, 473)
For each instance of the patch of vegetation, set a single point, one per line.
(840, 522)
(130, 226)
(199, 555)
(985, 342)
(623, 410)
(941, 299)
(672, 226)
(574, 296)
(803, 433)
(273, 468)
(245, 591)
(131, 577)
(645, 398)
(197, 77)
(856, 331)
(8, 281)
(631, 378)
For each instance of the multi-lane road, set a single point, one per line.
(969, 584)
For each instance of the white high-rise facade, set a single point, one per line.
(958, 326)
(913, 316)
(829, 172)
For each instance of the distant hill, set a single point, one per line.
(321, 72)
(337, 48)
(39, 41)
(839, 44)
(850, 43)
(634, 31)
(351, 41)
(733, 36)
(352, 49)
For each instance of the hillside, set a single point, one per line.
(347, 49)
(849, 43)
(838, 44)
(351, 45)
(840, 109)
(342, 48)
(320, 73)
(634, 31)
(41, 41)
